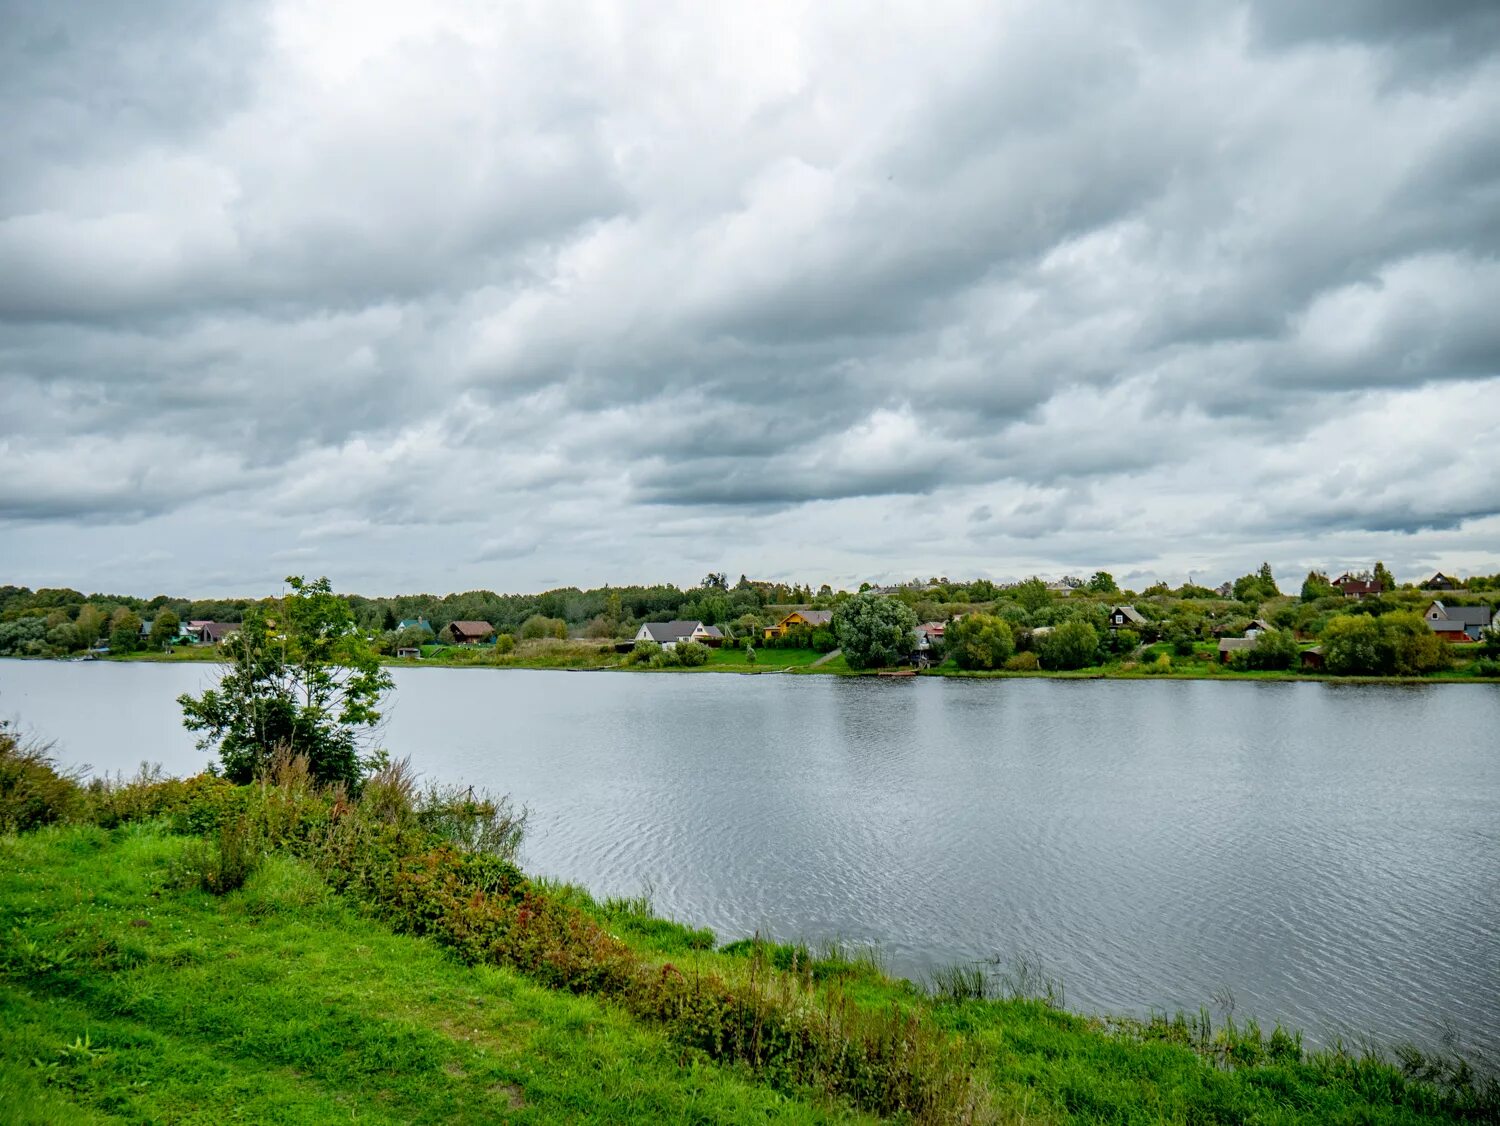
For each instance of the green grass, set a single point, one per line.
(280, 1003)
(124, 998)
(734, 659)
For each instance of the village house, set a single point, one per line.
(469, 632)
(212, 633)
(805, 619)
(1457, 623)
(1441, 581)
(1125, 617)
(1356, 588)
(1312, 658)
(668, 634)
(413, 623)
(1228, 645)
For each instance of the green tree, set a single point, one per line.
(1386, 580)
(1032, 594)
(1351, 645)
(301, 680)
(1316, 586)
(124, 631)
(1072, 645)
(539, 625)
(1103, 583)
(980, 641)
(90, 624)
(163, 629)
(1408, 647)
(874, 630)
(1273, 649)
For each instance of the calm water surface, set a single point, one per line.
(1330, 853)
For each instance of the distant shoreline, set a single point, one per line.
(206, 657)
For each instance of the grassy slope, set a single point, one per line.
(279, 1003)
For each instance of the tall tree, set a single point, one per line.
(874, 631)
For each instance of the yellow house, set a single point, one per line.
(810, 619)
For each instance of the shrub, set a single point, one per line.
(1160, 666)
(218, 864)
(1023, 662)
(33, 791)
(690, 654)
(505, 643)
(643, 654)
(1273, 649)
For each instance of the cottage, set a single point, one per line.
(213, 633)
(1457, 623)
(1356, 588)
(1228, 646)
(413, 623)
(1441, 581)
(1312, 658)
(1126, 617)
(668, 634)
(470, 633)
(1060, 590)
(800, 619)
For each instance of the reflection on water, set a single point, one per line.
(1331, 853)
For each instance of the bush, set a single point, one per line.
(1395, 644)
(644, 653)
(505, 643)
(1159, 667)
(1273, 649)
(691, 655)
(217, 865)
(33, 791)
(1023, 662)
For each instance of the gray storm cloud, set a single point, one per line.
(467, 295)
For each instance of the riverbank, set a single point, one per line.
(813, 663)
(201, 950)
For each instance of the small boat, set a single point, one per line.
(894, 673)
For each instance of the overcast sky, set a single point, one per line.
(445, 295)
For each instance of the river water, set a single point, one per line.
(1328, 853)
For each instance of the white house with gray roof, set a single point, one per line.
(668, 634)
(1457, 623)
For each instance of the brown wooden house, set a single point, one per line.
(470, 633)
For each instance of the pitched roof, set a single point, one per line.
(1229, 644)
(1468, 615)
(1447, 625)
(1130, 612)
(217, 631)
(813, 617)
(472, 627)
(669, 631)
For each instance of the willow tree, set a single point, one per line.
(301, 680)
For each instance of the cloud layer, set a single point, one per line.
(458, 295)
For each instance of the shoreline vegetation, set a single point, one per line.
(175, 949)
(594, 658)
(1356, 627)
